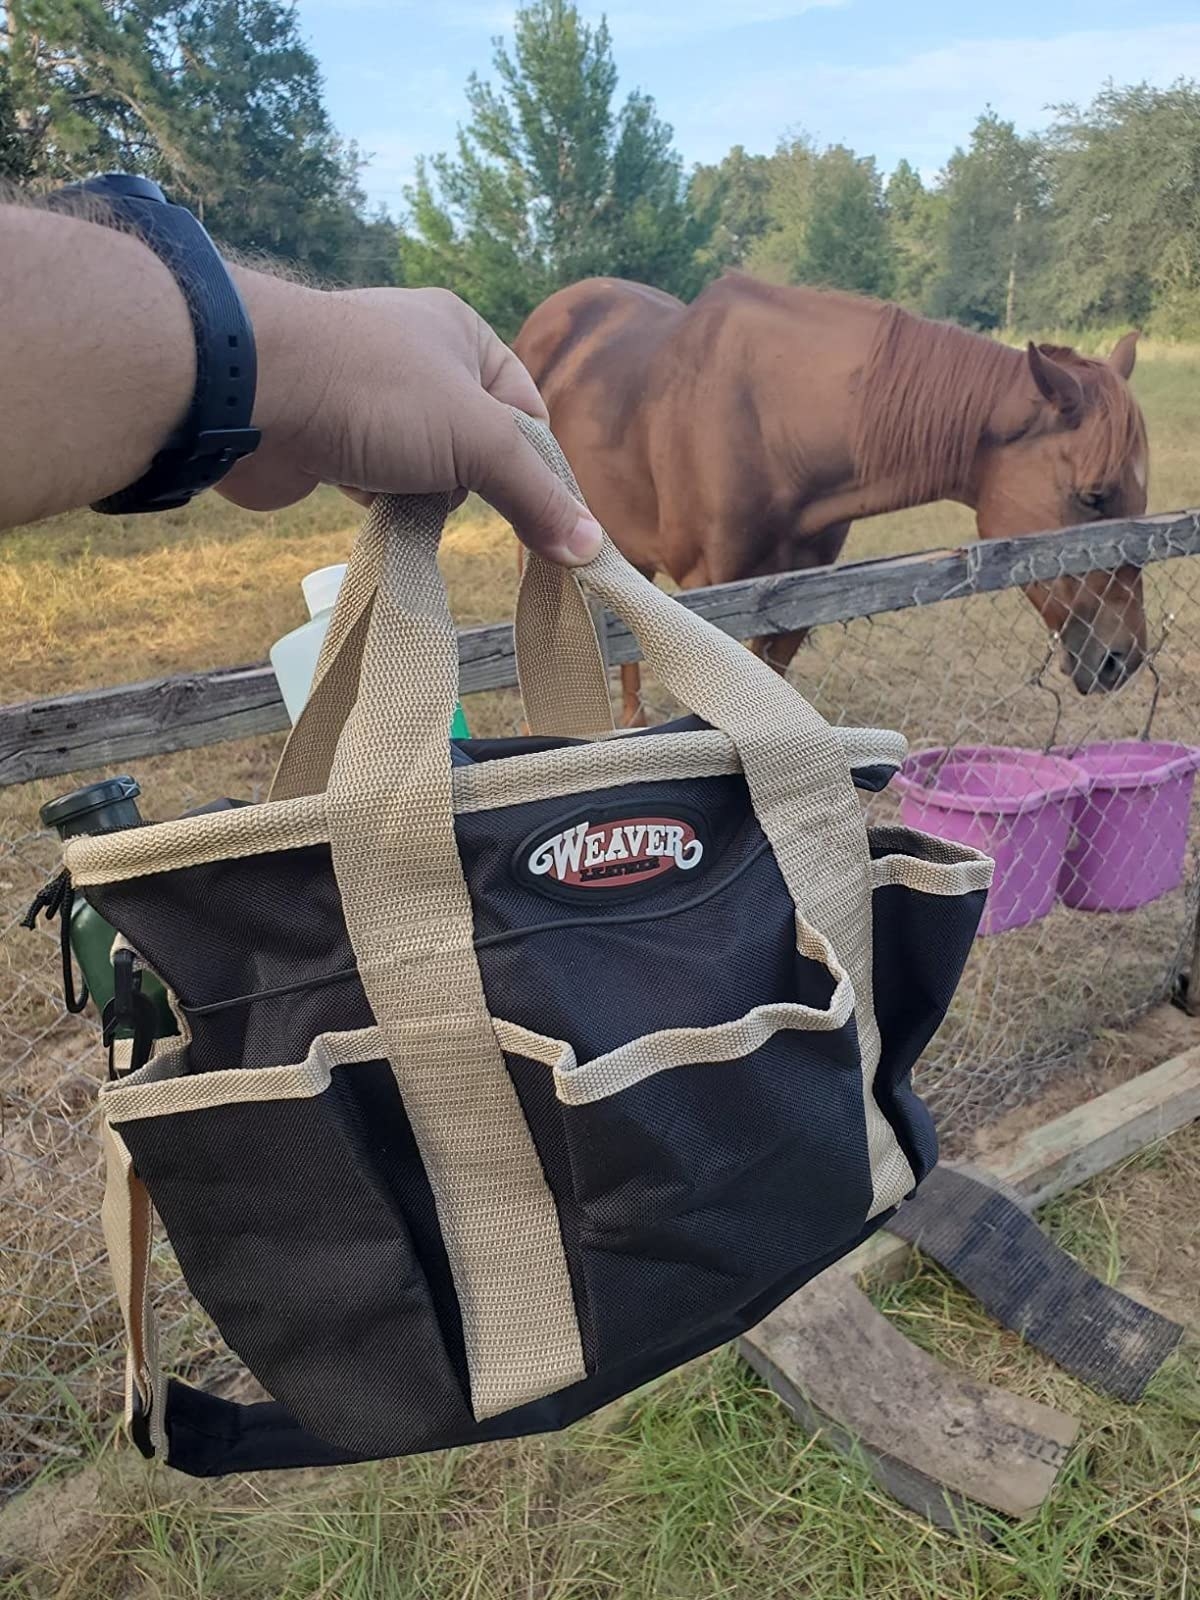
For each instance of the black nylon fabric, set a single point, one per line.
(689, 1202)
(307, 1229)
(210, 1436)
(911, 996)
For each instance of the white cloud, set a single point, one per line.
(922, 105)
(640, 24)
(633, 22)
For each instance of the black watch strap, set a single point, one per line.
(216, 432)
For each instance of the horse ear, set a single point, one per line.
(1056, 384)
(1124, 354)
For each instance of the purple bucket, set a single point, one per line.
(1131, 830)
(1015, 805)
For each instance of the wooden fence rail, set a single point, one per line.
(75, 732)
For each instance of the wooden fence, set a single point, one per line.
(75, 732)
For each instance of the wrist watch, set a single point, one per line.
(216, 432)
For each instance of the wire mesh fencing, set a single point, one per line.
(1086, 799)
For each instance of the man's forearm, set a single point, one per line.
(97, 361)
(393, 391)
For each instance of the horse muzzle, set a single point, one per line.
(1094, 666)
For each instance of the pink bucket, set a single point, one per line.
(1015, 805)
(1131, 830)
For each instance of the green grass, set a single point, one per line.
(696, 1488)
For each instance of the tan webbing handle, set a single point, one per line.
(128, 1223)
(389, 811)
(389, 795)
(308, 754)
(560, 667)
(572, 706)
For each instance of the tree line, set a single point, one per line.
(220, 101)
(1094, 220)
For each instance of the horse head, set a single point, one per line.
(1067, 444)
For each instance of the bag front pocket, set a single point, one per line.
(300, 1212)
(704, 1164)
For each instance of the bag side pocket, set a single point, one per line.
(927, 898)
(304, 1224)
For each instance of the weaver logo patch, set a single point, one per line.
(605, 852)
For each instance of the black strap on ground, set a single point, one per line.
(1021, 1278)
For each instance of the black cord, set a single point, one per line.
(57, 899)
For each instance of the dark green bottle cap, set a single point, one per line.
(103, 807)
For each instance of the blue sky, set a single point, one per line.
(889, 77)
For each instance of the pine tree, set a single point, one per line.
(914, 223)
(846, 242)
(780, 252)
(549, 183)
(219, 100)
(1126, 175)
(733, 196)
(994, 227)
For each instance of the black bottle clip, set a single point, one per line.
(130, 1011)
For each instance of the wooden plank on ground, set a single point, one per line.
(932, 1438)
(71, 733)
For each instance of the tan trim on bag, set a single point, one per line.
(947, 869)
(193, 841)
(165, 1086)
(549, 774)
(578, 1084)
(511, 781)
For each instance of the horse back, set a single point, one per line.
(591, 349)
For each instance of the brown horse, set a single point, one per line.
(743, 434)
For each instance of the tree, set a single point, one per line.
(548, 183)
(825, 220)
(733, 199)
(914, 225)
(1126, 176)
(219, 100)
(994, 227)
(86, 92)
(14, 166)
(846, 242)
(781, 251)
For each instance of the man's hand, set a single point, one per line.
(402, 391)
(396, 390)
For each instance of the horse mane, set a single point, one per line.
(928, 393)
(929, 390)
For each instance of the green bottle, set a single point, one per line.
(102, 807)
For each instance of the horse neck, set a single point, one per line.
(929, 392)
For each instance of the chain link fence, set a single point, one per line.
(976, 672)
